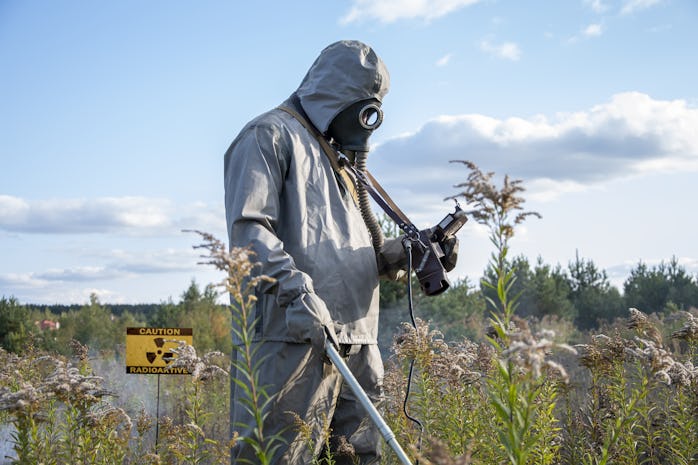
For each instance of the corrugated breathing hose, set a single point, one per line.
(367, 214)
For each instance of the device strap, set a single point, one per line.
(348, 181)
(339, 162)
(382, 199)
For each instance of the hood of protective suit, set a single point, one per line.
(344, 73)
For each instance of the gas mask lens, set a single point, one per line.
(370, 116)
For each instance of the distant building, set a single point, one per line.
(48, 325)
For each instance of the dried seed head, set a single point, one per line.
(304, 428)
(144, 422)
(683, 374)
(485, 361)
(689, 331)
(238, 263)
(438, 453)
(660, 362)
(491, 206)
(23, 400)
(530, 352)
(455, 364)
(151, 459)
(201, 368)
(642, 324)
(603, 353)
(419, 344)
(79, 350)
(345, 448)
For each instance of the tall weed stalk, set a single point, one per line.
(193, 442)
(519, 390)
(240, 283)
(641, 405)
(59, 412)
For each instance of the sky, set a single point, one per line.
(114, 118)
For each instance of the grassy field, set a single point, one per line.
(517, 392)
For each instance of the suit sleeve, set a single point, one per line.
(255, 169)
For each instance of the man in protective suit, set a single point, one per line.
(289, 200)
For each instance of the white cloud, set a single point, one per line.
(80, 274)
(593, 30)
(115, 264)
(630, 135)
(21, 280)
(546, 189)
(157, 261)
(505, 50)
(117, 275)
(444, 60)
(596, 5)
(82, 215)
(631, 6)
(83, 266)
(31, 288)
(125, 215)
(388, 11)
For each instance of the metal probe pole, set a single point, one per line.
(385, 430)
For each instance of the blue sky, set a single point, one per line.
(114, 117)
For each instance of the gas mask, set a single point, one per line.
(350, 131)
(352, 127)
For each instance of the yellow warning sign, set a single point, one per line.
(149, 350)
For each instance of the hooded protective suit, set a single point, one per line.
(283, 199)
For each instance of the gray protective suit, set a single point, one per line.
(283, 199)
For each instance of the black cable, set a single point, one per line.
(407, 244)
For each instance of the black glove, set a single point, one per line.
(449, 245)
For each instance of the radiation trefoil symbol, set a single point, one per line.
(166, 357)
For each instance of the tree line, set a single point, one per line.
(580, 294)
(102, 327)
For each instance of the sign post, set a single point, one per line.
(149, 352)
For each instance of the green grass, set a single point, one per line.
(627, 395)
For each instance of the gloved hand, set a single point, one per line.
(308, 320)
(449, 245)
(392, 260)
